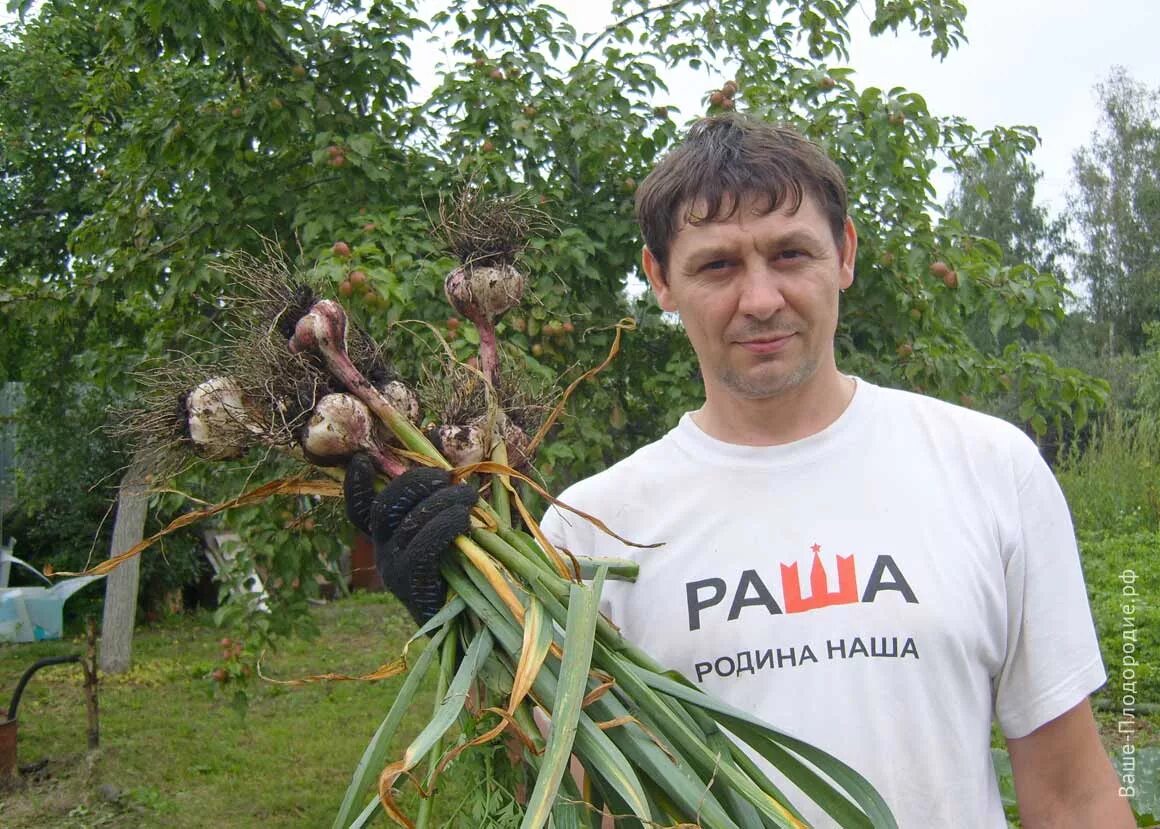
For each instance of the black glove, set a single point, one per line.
(412, 523)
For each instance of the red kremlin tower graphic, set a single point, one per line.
(820, 595)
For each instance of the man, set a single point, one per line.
(876, 572)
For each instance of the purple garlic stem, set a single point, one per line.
(386, 463)
(488, 351)
(323, 330)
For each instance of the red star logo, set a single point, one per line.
(815, 548)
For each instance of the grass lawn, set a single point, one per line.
(176, 753)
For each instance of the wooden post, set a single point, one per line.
(89, 663)
(116, 655)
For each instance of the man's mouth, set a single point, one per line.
(766, 344)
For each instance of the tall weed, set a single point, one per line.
(1113, 482)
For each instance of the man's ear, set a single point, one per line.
(656, 279)
(849, 254)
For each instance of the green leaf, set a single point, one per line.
(769, 741)
(579, 635)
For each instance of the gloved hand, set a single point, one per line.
(411, 523)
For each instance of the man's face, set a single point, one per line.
(758, 296)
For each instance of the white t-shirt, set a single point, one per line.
(880, 589)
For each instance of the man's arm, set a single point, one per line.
(1063, 777)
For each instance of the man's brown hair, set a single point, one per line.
(727, 160)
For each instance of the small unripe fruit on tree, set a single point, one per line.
(728, 104)
(717, 99)
(530, 111)
(916, 313)
(661, 112)
(357, 278)
(537, 350)
(488, 146)
(345, 289)
(219, 675)
(827, 83)
(940, 269)
(951, 280)
(729, 88)
(905, 350)
(569, 327)
(236, 112)
(887, 259)
(368, 227)
(453, 324)
(341, 248)
(337, 161)
(629, 184)
(298, 71)
(334, 151)
(496, 74)
(261, 5)
(897, 119)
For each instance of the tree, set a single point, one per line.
(1116, 210)
(996, 200)
(121, 585)
(169, 133)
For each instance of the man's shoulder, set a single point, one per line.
(985, 437)
(647, 463)
(949, 415)
(617, 494)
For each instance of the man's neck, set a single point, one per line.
(792, 415)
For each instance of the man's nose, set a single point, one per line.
(761, 292)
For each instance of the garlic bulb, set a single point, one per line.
(405, 401)
(461, 445)
(339, 426)
(484, 292)
(216, 420)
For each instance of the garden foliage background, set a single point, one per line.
(141, 142)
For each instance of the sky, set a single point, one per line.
(1033, 62)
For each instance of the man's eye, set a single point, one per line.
(716, 265)
(791, 254)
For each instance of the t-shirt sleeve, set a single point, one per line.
(567, 531)
(1053, 659)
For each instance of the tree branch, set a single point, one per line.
(632, 18)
